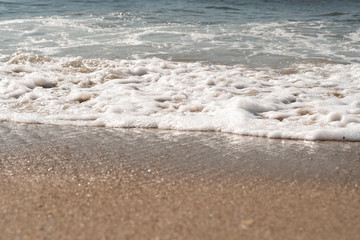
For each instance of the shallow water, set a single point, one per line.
(255, 33)
(280, 69)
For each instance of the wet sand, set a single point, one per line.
(97, 183)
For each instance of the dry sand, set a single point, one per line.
(96, 183)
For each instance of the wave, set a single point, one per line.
(130, 36)
(301, 101)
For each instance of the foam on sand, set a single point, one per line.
(303, 101)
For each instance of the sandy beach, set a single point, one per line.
(98, 183)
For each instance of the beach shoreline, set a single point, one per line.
(59, 182)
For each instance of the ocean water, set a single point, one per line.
(272, 68)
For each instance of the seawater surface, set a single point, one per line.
(278, 69)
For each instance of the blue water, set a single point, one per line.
(254, 33)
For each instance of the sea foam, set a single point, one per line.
(303, 101)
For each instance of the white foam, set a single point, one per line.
(304, 101)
